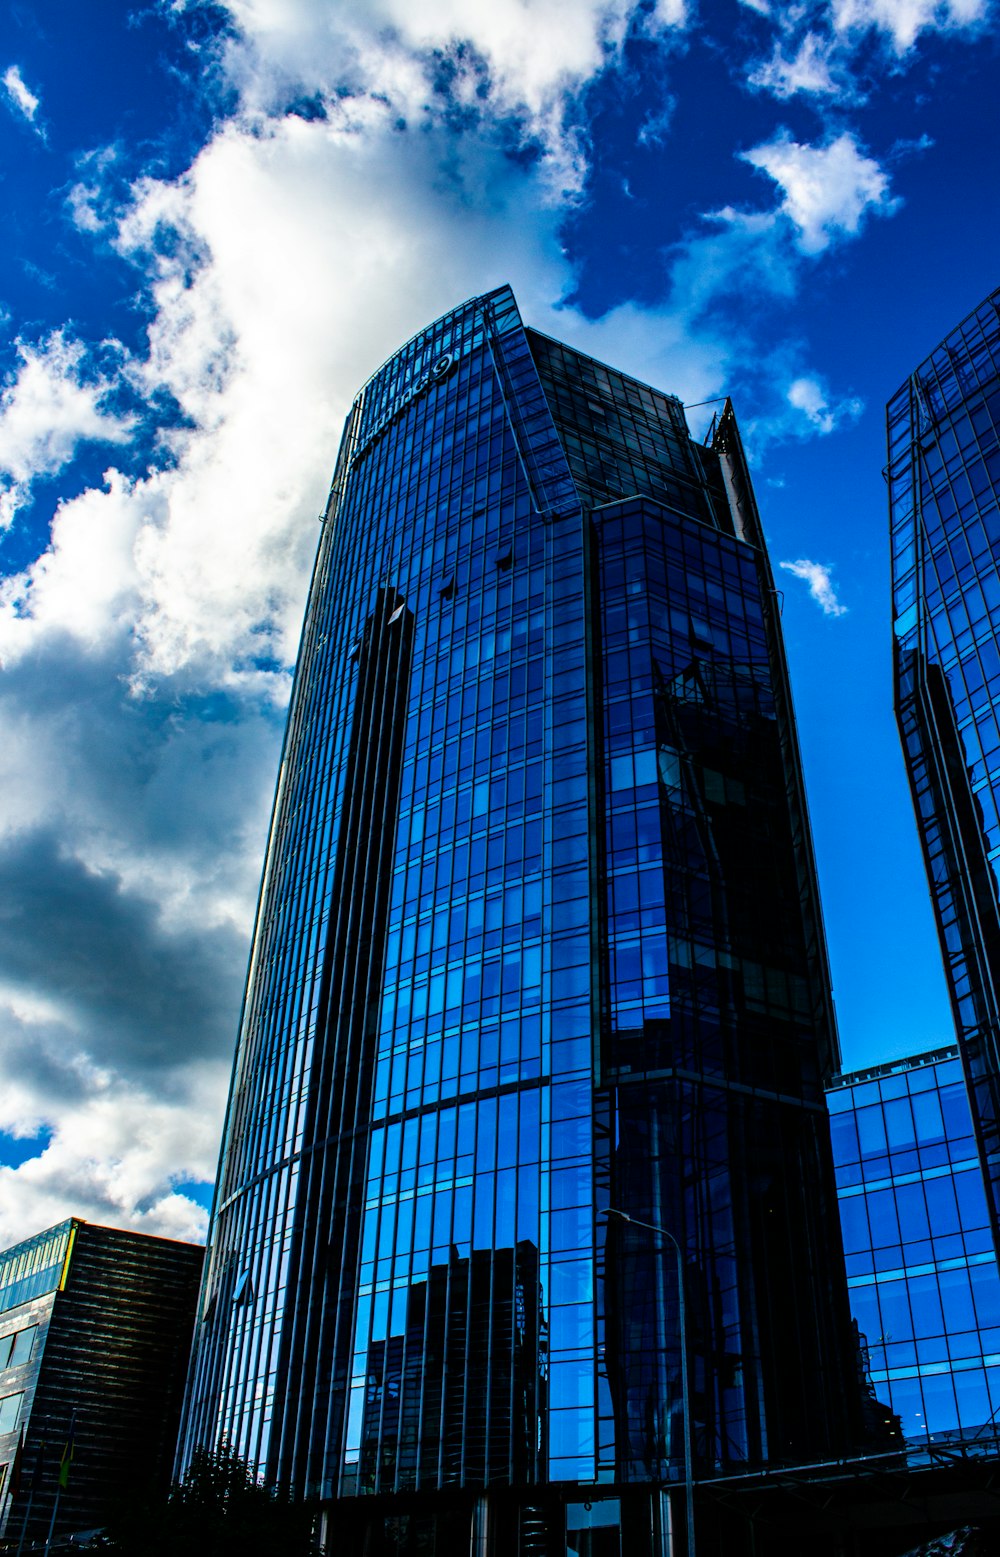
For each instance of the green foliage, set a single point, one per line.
(218, 1510)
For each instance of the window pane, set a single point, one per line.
(23, 1343)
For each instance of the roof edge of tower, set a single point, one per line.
(992, 298)
(478, 300)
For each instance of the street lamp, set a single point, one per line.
(685, 1393)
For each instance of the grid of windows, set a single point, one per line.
(712, 999)
(498, 621)
(924, 1284)
(467, 951)
(36, 1266)
(944, 491)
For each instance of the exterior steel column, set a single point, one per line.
(314, 1364)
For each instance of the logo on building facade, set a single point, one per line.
(437, 371)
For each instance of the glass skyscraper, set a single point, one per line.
(923, 1279)
(538, 943)
(944, 486)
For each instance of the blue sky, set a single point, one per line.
(219, 219)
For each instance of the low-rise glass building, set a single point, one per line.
(923, 1279)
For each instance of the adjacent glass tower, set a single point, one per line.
(923, 1279)
(944, 486)
(538, 940)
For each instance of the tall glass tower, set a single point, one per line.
(538, 944)
(944, 487)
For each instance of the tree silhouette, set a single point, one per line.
(220, 1509)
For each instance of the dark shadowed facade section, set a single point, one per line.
(538, 939)
(95, 1335)
(944, 499)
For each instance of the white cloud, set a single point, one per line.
(827, 191)
(826, 50)
(129, 852)
(670, 14)
(810, 70)
(116, 1154)
(902, 21)
(87, 200)
(808, 396)
(20, 97)
(793, 402)
(52, 405)
(821, 588)
(655, 127)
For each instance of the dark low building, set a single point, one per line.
(95, 1327)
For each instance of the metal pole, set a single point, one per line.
(52, 1521)
(685, 1393)
(67, 1460)
(24, 1523)
(480, 1542)
(36, 1476)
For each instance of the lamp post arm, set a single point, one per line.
(664, 1232)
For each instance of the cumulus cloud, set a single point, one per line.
(20, 98)
(146, 650)
(827, 190)
(825, 193)
(524, 61)
(129, 850)
(118, 1152)
(380, 163)
(818, 577)
(54, 402)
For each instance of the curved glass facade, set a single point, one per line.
(538, 939)
(944, 499)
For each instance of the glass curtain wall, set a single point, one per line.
(944, 486)
(538, 941)
(924, 1285)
